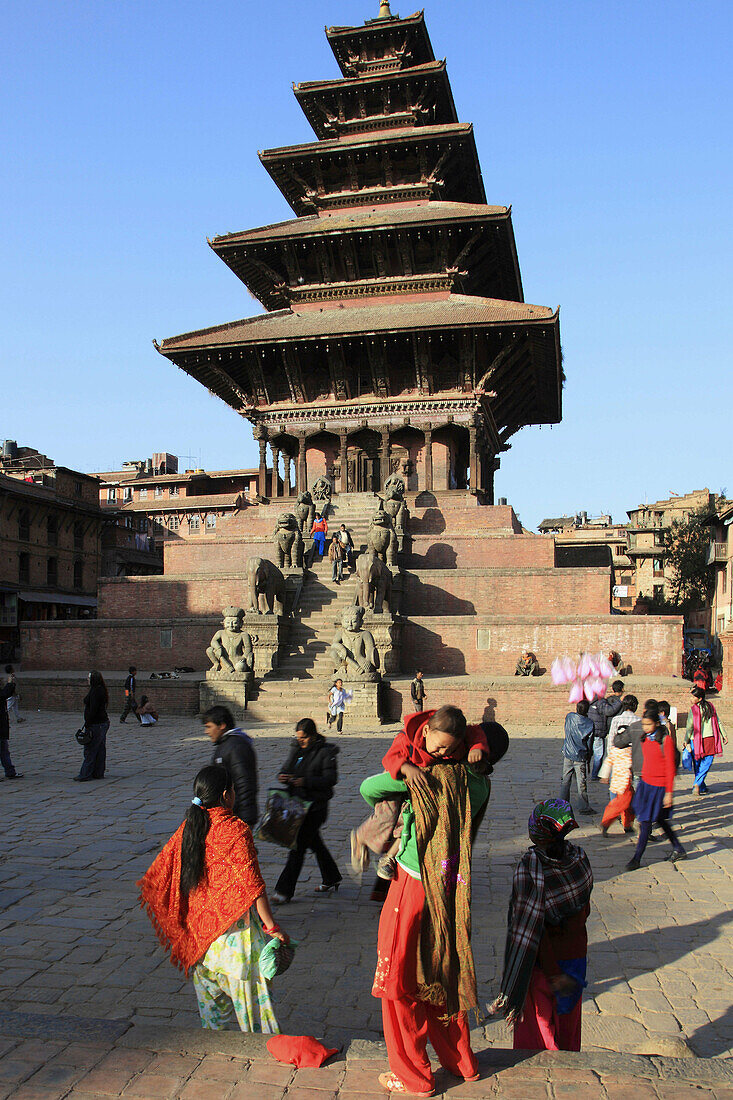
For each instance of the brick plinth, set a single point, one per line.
(66, 693)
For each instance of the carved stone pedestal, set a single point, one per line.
(268, 633)
(226, 689)
(387, 632)
(366, 704)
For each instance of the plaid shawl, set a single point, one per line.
(546, 891)
(445, 969)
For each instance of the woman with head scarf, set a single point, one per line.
(547, 943)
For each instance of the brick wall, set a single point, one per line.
(169, 697)
(727, 643)
(507, 592)
(117, 643)
(651, 644)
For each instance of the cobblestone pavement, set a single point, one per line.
(75, 943)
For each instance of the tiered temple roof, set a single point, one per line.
(394, 298)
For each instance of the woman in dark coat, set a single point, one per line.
(309, 772)
(96, 721)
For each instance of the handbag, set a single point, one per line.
(282, 818)
(276, 957)
(688, 760)
(84, 736)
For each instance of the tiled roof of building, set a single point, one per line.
(182, 504)
(361, 218)
(453, 312)
(559, 521)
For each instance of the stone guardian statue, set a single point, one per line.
(231, 649)
(353, 649)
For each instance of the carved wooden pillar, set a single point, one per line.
(429, 458)
(275, 471)
(343, 460)
(262, 477)
(472, 458)
(302, 467)
(288, 485)
(384, 457)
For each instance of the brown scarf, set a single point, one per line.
(445, 969)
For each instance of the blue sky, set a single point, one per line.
(130, 133)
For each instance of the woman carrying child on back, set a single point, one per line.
(206, 899)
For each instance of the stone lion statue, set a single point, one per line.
(381, 537)
(353, 649)
(288, 541)
(231, 648)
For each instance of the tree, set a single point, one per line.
(686, 545)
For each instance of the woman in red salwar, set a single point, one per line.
(547, 943)
(425, 976)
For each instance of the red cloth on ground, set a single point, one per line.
(409, 744)
(541, 1028)
(299, 1050)
(408, 1024)
(620, 806)
(660, 763)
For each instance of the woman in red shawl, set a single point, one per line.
(206, 899)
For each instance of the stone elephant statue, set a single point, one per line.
(381, 538)
(374, 588)
(288, 541)
(265, 579)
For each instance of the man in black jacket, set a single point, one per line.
(233, 748)
(600, 713)
(6, 692)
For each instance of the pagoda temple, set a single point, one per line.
(396, 336)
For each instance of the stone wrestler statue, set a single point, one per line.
(353, 649)
(231, 649)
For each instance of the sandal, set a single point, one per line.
(325, 888)
(392, 1083)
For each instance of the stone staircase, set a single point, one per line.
(300, 685)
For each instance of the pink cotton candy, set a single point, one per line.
(600, 687)
(569, 667)
(589, 688)
(576, 692)
(557, 672)
(584, 667)
(607, 668)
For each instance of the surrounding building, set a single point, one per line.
(720, 558)
(50, 541)
(647, 528)
(154, 502)
(397, 337)
(595, 540)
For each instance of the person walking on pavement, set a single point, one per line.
(13, 699)
(337, 700)
(6, 692)
(575, 754)
(652, 802)
(309, 772)
(130, 689)
(417, 691)
(233, 749)
(619, 764)
(707, 736)
(207, 901)
(336, 557)
(601, 712)
(96, 722)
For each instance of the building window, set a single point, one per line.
(625, 601)
(77, 488)
(24, 525)
(127, 492)
(210, 522)
(158, 491)
(143, 494)
(173, 491)
(619, 550)
(52, 571)
(658, 592)
(111, 496)
(78, 574)
(52, 531)
(24, 568)
(194, 523)
(174, 523)
(658, 567)
(142, 524)
(166, 638)
(724, 582)
(78, 536)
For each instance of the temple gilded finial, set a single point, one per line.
(384, 12)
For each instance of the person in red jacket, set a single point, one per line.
(427, 737)
(652, 801)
